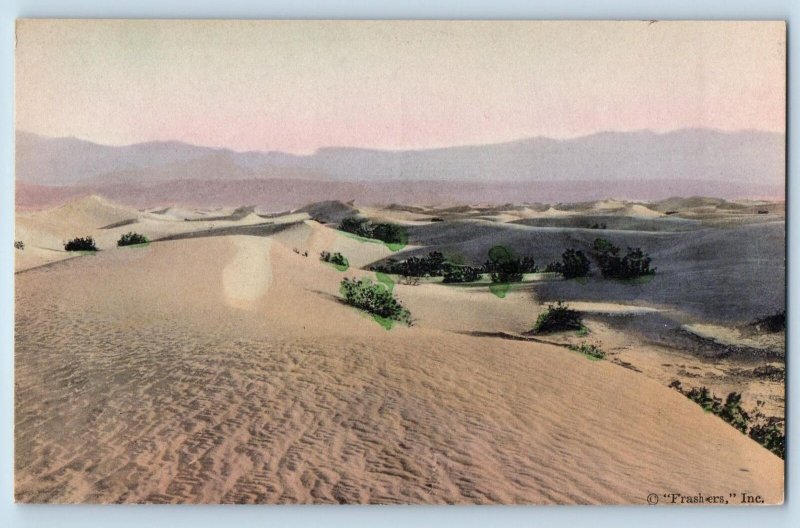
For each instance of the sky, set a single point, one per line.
(297, 86)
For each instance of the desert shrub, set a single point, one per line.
(457, 273)
(357, 226)
(590, 350)
(556, 318)
(431, 265)
(80, 244)
(770, 436)
(504, 267)
(131, 239)
(374, 298)
(764, 430)
(390, 233)
(733, 413)
(437, 219)
(703, 397)
(19, 244)
(337, 259)
(573, 264)
(635, 263)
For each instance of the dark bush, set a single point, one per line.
(336, 258)
(431, 265)
(764, 430)
(733, 413)
(19, 244)
(374, 298)
(634, 264)
(390, 233)
(770, 436)
(81, 244)
(504, 267)
(705, 399)
(458, 273)
(573, 264)
(357, 226)
(131, 239)
(558, 317)
(589, 350)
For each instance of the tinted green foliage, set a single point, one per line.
(504, 267)
(337, 259)
(131, 239)
(357, 226)
(573, 264)
(765, 431)
(81, 244)
(556, 318)
(634, 264)
(431, 265)
(457, 273)
(390, 233)
(374, 298)
(589, 350)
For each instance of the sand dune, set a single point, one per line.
(224, 369)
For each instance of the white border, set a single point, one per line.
(335, 516)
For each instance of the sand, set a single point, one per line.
(225, 369)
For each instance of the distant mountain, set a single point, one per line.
(640, 165)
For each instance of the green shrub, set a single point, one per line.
(771, 323)
(766, 431)
(390, 233)
(770, 436)
(429, 266)
(589, 350)
(357, 226)
(733, 413)
(337, 259)
(556, 318)
(374, 298)
(573, 264)
(503, 267)
(456, 273)
(80, 244)
(634, 264)
(132, 239)
(19, 244)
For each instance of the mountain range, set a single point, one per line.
(634, 165)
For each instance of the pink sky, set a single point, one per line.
(298, 86)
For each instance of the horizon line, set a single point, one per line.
(413, 149)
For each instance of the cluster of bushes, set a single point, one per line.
(80, 244)
(573, 264)
(453, 273)
(558, 317)
(589, 350)
(132, 239)
(634, 264)
(337, 259)
(503, 267)
(374, 298)
(19, 244)
(765, 431)
(297, 251)
(597, 226)
(432, 265)
(385, 232)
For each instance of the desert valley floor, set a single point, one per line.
(218, 363)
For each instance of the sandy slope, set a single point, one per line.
(225, 369)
